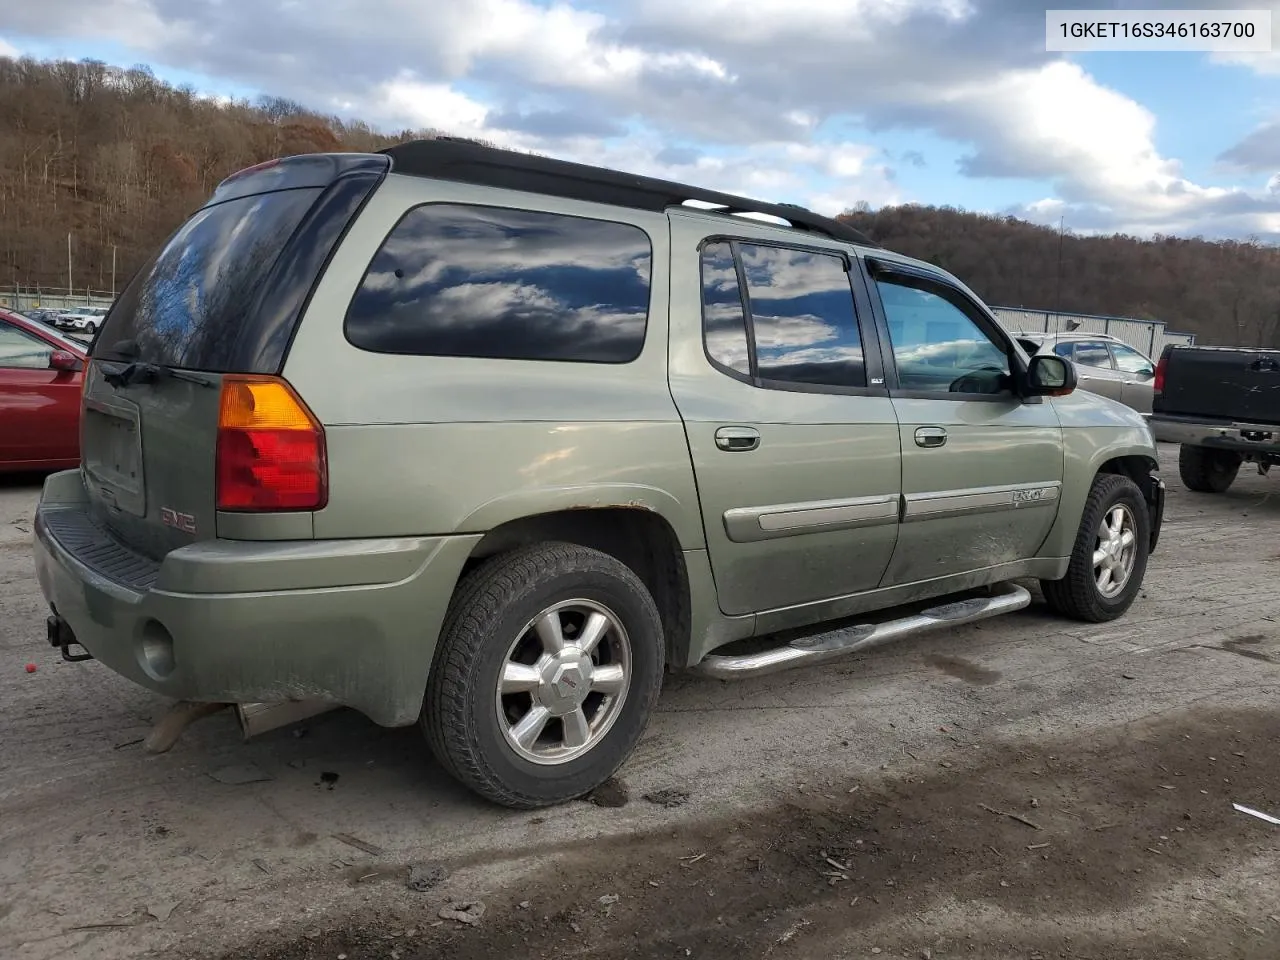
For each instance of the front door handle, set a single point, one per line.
(737, 439)
(930, 436)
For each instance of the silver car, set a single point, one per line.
(1105, 364)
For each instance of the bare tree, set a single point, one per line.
(119, 158)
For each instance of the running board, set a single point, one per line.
(822, 647)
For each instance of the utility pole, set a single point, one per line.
(70, 289)
(113, 271)
(1057, 305)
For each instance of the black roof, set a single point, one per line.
(469, 162)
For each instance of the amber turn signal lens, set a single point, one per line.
(270, 449)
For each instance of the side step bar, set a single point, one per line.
(822, 647)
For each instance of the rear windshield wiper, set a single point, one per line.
(139, 371)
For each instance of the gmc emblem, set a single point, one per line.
(179, 521)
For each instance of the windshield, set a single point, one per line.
(189, 305)
(66, 342)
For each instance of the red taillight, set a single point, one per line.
(270, 449)
(1158, 383)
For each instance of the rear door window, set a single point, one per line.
(454, 280)
(802, 317)
(1090, 353)
(803, 328)
(190, 304)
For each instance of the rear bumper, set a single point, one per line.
(351, 622)
(1246, 438)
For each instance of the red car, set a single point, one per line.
(41, 374)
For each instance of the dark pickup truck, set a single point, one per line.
(1222, 404)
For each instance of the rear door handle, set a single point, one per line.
(737, 439)
(930, 436)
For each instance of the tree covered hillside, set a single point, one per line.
(118, 158)
(1225, 292)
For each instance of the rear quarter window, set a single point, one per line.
(454, 280)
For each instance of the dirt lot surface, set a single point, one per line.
(1023, 788)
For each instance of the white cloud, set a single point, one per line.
(1059, 122)
(763, 22)
(747, 90)
(404, 101)
(7, 49)
(1095, 145)
(1264, 63)
(136, 24)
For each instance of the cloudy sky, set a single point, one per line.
(819, 102)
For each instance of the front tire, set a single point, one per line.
(1109, 558)
(549, 664)
(1205, 470)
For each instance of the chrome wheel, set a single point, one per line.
(563, 682)
(1115, 551)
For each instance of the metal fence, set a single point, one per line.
(28, 298)
(1148, 336)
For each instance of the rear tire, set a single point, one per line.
(1205, 470)
(1116, 507)
(496, 680)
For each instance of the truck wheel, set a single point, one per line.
(1205, 470)
(1109, 558)
(549, 664)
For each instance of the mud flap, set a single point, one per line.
(1153, 493)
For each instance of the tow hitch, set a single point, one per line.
(62, 637)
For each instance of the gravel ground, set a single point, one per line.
(1026, 787)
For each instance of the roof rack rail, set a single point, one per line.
(466, 161)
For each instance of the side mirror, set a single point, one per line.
(1050, 376)
(64, 360)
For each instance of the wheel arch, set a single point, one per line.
(1138, 467)
(635, 535)
(1130, 454)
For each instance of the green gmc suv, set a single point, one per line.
(489, 442)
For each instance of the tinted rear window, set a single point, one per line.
(469, 281)
(189, 305)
